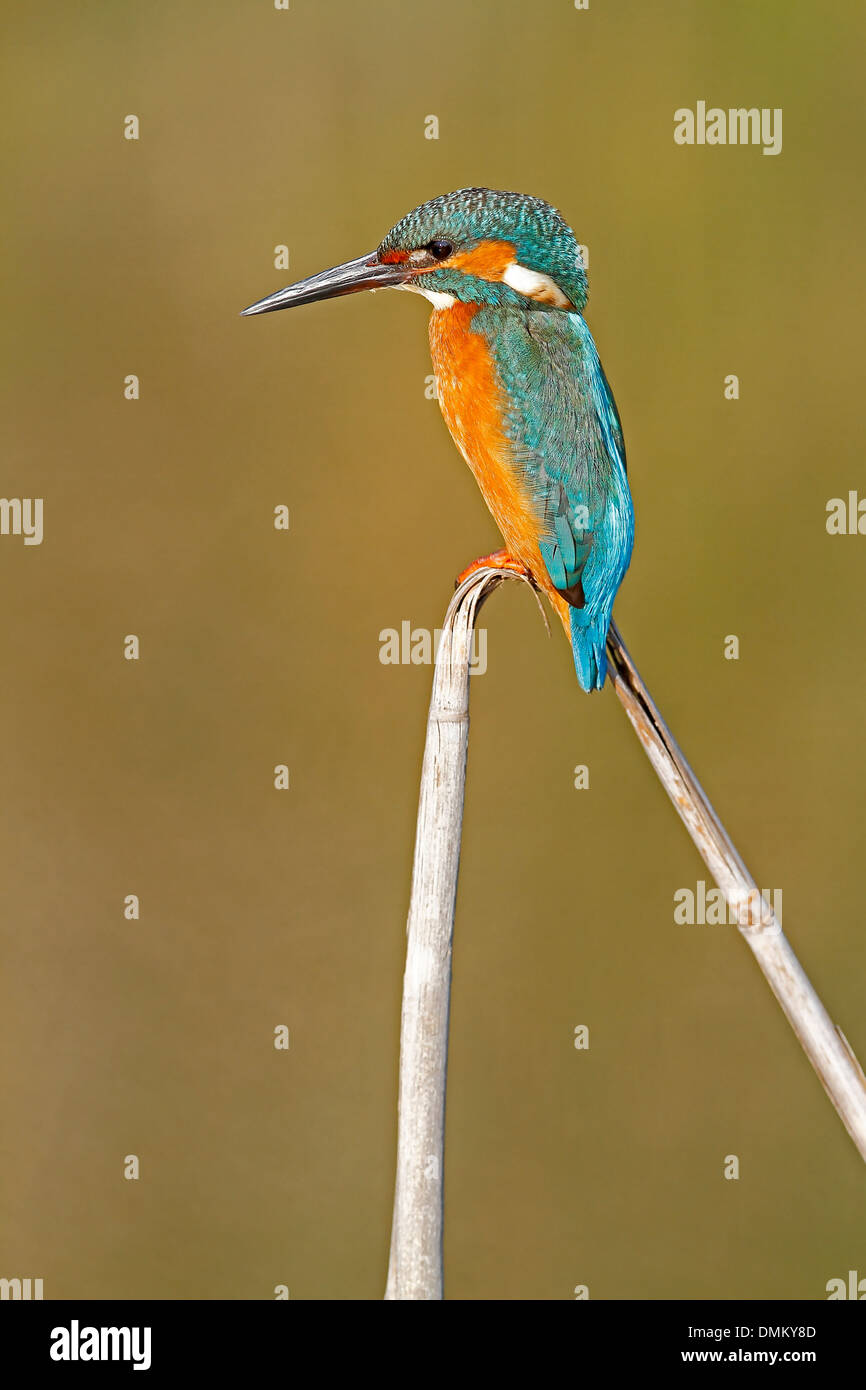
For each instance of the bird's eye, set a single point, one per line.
(440, 249)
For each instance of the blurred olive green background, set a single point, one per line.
(155, 777)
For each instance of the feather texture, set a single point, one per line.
(527, 402)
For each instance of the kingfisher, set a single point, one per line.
(521, 388)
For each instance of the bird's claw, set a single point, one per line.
(498, 560)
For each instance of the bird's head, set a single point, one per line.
(475, 245)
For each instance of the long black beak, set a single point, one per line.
(366, 273)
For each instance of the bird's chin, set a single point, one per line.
(438, 298)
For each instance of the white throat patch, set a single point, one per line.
(437, 299)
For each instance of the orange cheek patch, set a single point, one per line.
(488, 261)
(395, 257)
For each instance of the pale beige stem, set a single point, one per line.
(415, 1269)
(826, 1047)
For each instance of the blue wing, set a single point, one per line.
(567, 443)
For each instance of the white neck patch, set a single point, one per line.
(534, 285)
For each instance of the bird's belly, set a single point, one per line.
(470, 398)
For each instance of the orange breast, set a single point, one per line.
(471, 402)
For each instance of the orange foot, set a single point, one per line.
(499, 560)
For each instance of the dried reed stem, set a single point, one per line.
(415, 1269)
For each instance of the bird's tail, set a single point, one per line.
(588, 637)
